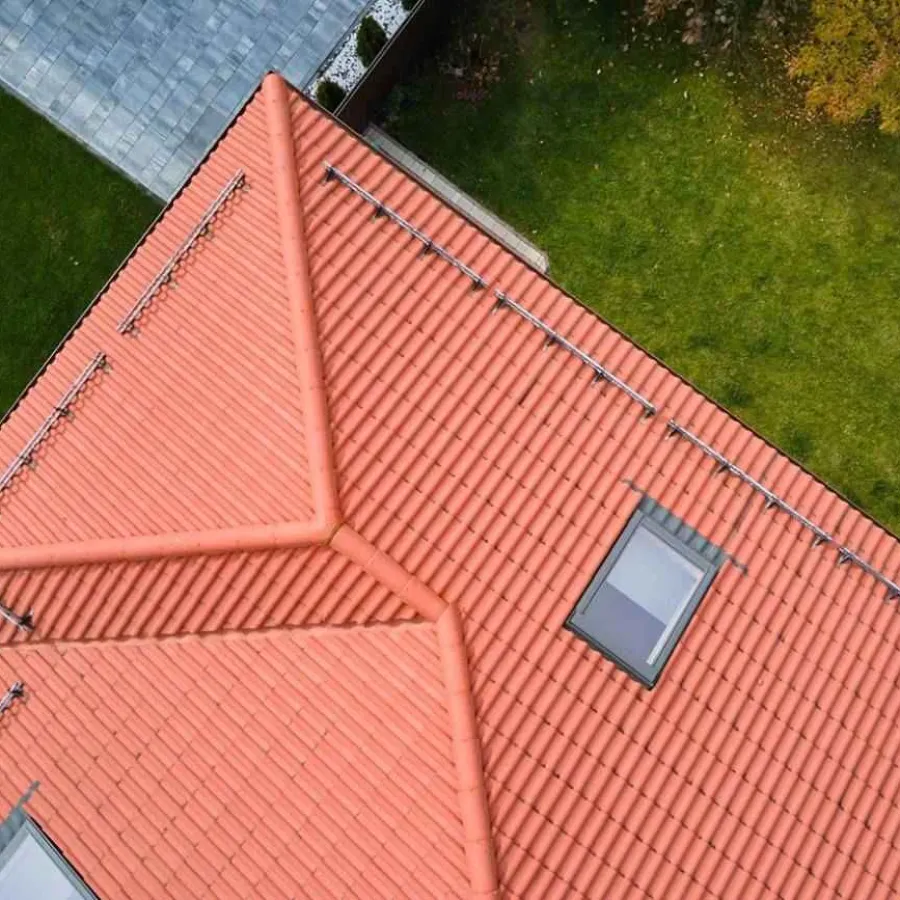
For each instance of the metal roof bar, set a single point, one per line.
(554, 337)
(202, 228)
(15, 692)
(61, 410)
(820, 535)
(23, 623)
(428, 245)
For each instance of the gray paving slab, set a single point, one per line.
(149, 84)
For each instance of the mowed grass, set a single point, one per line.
(66, 221)
(693, 205)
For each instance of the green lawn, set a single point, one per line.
(66, 221)
(694, 206)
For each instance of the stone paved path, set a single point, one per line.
(149, 84)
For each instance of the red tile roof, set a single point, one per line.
(270, 764)
(300, 561)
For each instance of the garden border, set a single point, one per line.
(406, 45)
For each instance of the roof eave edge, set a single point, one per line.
(474, 810)
(310, 367)
(245, 539)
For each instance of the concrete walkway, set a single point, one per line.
(149, 84)
(448, 191)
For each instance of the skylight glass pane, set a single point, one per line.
(643, 595)
(654, 575)
(625, 627)
(29, 871)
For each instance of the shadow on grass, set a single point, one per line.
(536, 132)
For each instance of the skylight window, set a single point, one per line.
(31, 866)
(642, 597)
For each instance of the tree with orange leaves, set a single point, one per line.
(851, 62)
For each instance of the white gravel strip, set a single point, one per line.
(344, 67)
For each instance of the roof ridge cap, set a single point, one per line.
(310, 367)
(242, 539)
(473, 802)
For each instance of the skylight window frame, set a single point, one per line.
(27, 827)
(648, 675)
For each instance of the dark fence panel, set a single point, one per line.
(415, 37)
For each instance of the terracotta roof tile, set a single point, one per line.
(118, 819)
(222, 344)
(198, 594)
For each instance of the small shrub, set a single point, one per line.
(369, 40)
(887, 494)
(761, 346)
(408, 4)
(330, 94)
(702, 340)
(734, 394)
(882, 489)
(799, 444)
